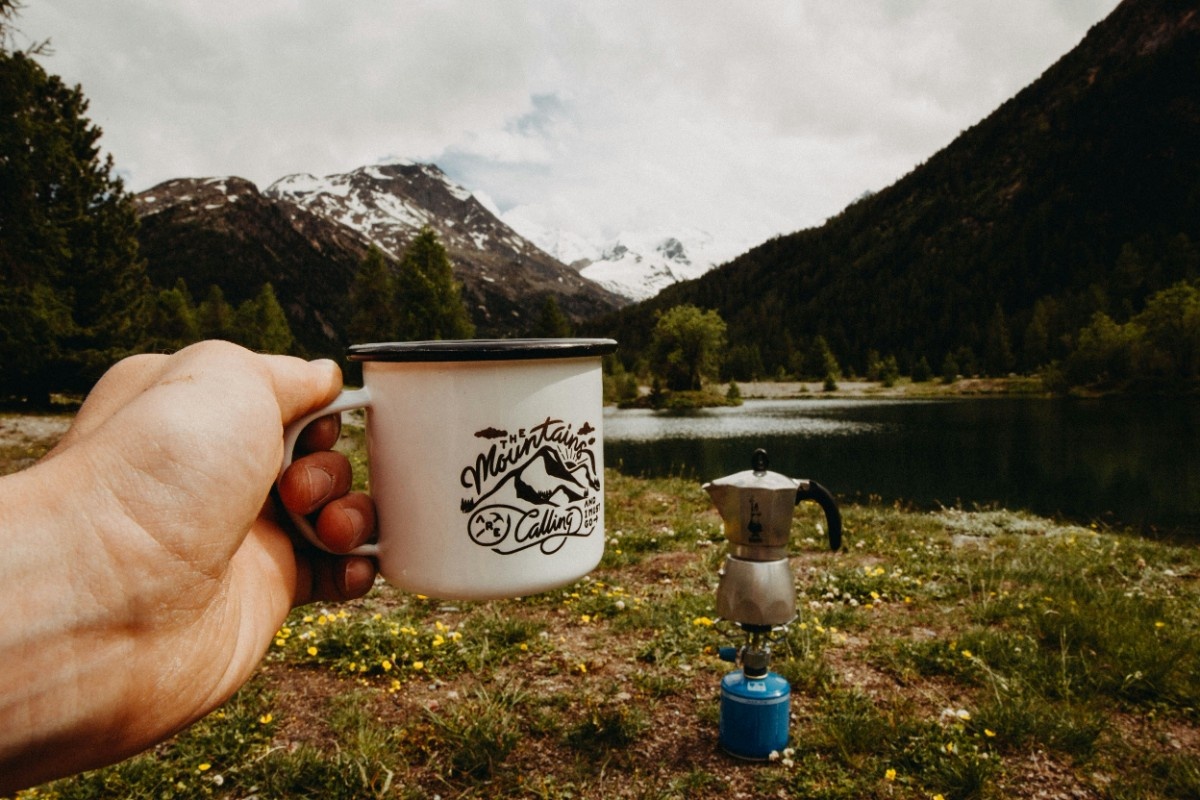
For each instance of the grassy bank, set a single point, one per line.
(902, 388)
(951, 654)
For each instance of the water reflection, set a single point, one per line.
(754, 418)
(1132, 459)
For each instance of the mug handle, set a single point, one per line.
(348, 399)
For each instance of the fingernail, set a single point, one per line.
(320, 485)
(358, 575)
(355, 522)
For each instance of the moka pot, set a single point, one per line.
(756, 505)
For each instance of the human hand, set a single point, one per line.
(147, 568)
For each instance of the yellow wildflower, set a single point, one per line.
(266, 719)
(205, 767)
(890, 775)
(312, 651)
(386, 664)
(418, 665)
(988, 732)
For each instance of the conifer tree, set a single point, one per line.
(215, 317)
(551, 322)
(171, 323)
(261, 325)
(73, 289)
(429, 299)
(998, 354)
(373, 311)
(820, 362)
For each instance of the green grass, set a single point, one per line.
(985, 654)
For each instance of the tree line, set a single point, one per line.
(1157, 348)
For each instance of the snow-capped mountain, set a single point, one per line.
(635, 265)
(639, 266)
(505, 276)
(643, 272)
(390, 203)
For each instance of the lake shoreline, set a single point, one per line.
(902, 389)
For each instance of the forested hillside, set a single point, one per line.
(1079, 195)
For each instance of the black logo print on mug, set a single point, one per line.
(535, 487)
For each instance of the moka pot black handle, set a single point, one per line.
(811, 490)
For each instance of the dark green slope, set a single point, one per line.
(1082, 193)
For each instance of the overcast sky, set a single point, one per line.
(743, 119)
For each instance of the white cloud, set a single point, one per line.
(744, 119)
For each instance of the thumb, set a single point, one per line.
(302, 386)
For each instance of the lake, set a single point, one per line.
(1128, 460)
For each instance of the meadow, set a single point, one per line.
(956, 653)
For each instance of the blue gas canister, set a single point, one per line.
(754, 714)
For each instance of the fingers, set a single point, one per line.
(326, 578)
(346, 523)
(319, 483)
(320, 434)
(314, 480)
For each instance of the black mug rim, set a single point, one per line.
(480, 350)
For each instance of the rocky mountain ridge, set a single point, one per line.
(307, 235)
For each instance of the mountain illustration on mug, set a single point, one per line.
(535, 487)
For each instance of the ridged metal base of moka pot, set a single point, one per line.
(756, 593)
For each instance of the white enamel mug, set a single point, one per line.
(485, 462)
